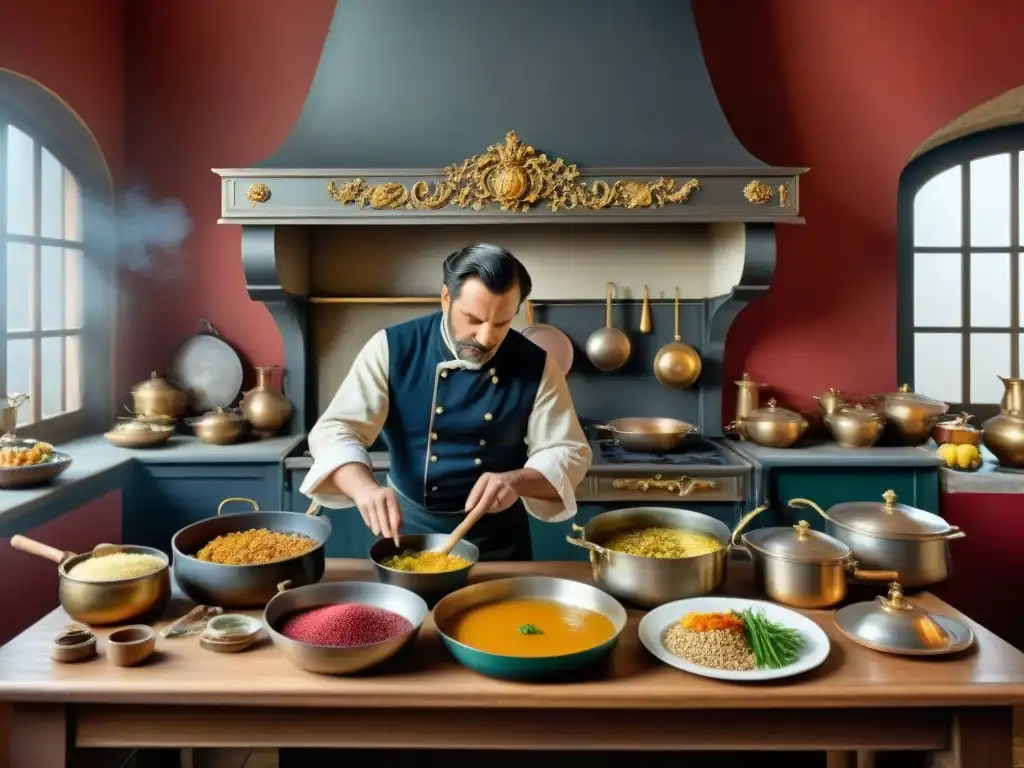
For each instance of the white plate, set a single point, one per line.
(654, 625)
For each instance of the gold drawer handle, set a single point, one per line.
(684, 486)
(257, 193)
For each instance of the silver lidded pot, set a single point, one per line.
(890, 536)
(798, 566)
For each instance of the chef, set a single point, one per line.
(475, 416)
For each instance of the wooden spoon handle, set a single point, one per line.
(37, 548)
(461, 530)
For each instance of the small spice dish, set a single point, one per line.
(132, 645)
(230, 633)
(73, 644)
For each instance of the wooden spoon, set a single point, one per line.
(45, 551)
(460, 531)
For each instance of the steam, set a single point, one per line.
(141, 235)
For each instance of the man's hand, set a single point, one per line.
(493, 492)
(380, 511)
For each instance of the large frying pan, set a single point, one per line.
(550, 339)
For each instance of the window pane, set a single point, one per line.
(990, 359)
(937, 211)
(53, 376)
(51, 288)
(990, 290)
(73, 376)
(19, 371)
(937, 290)
(72, 208)
(19, 287)
(938, 370)
(74, 313)
(20, 170)
(51, 205)
(990, 201)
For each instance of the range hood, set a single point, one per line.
(484, 111)
(477, 113)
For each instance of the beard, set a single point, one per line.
(469, 351)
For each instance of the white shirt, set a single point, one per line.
(555, 442)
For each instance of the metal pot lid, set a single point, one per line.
(217, 416)
(798, 543)
(889, 519)
(154, 384)
(775, 414)
(856, 413)
(959, 424)
(905, 395)
(892, 624)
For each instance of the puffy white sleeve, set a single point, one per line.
(350, 424)
(557, 446)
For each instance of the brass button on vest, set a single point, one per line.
(488, 416)
(434, 458)
(439, 410)
(483, 442)
(444, 374)
(478, 462)
(433, 435)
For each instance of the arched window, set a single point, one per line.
(56, 274)
(960, 301)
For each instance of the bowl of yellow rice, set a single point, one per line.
(414, 565)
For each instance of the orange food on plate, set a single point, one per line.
(710, 622)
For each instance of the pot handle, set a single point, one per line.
(797, 503)
(743, 523)
(37, 548)
(954, 533)
(284, 586)
(860, 575)
(220, 507)
(313, 511)
(582, 541)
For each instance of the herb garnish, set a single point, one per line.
(529, 629)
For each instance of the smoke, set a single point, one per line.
(141, 235)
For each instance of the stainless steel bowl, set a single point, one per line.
(566, 591)
(329, 660)
(431, 586)
(651, 581)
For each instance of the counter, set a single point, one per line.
(189, 697)
(827, 454)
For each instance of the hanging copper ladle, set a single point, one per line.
(677, 365)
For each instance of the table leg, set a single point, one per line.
(39, 736)
(980, 737)
(862, 759)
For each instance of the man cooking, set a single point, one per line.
(475, 417)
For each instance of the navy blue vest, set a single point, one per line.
(445, 427)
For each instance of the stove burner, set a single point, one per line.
(701, 453)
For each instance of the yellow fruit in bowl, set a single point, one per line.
(967, 456)
(948, 453)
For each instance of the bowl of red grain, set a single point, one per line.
(342, 627)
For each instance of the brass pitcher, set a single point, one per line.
(1004, 433)
(265, 407)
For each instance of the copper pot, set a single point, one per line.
(957, 431)
(221, 426)
(909, 416)
(855, 427)
(774, 427)
(831, 401)
(265, 406)
(157, 398)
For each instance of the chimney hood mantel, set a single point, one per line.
(415, 116)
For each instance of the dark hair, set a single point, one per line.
(496, 268)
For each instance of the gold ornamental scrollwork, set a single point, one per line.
(257, 193)
(758, 192)
(514, 177)
(783, 195)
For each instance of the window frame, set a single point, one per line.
(917, 173)
(50, 123)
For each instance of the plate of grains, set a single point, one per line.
(733, 639)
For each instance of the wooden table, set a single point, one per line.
(859, 700)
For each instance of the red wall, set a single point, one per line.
(848, 89)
